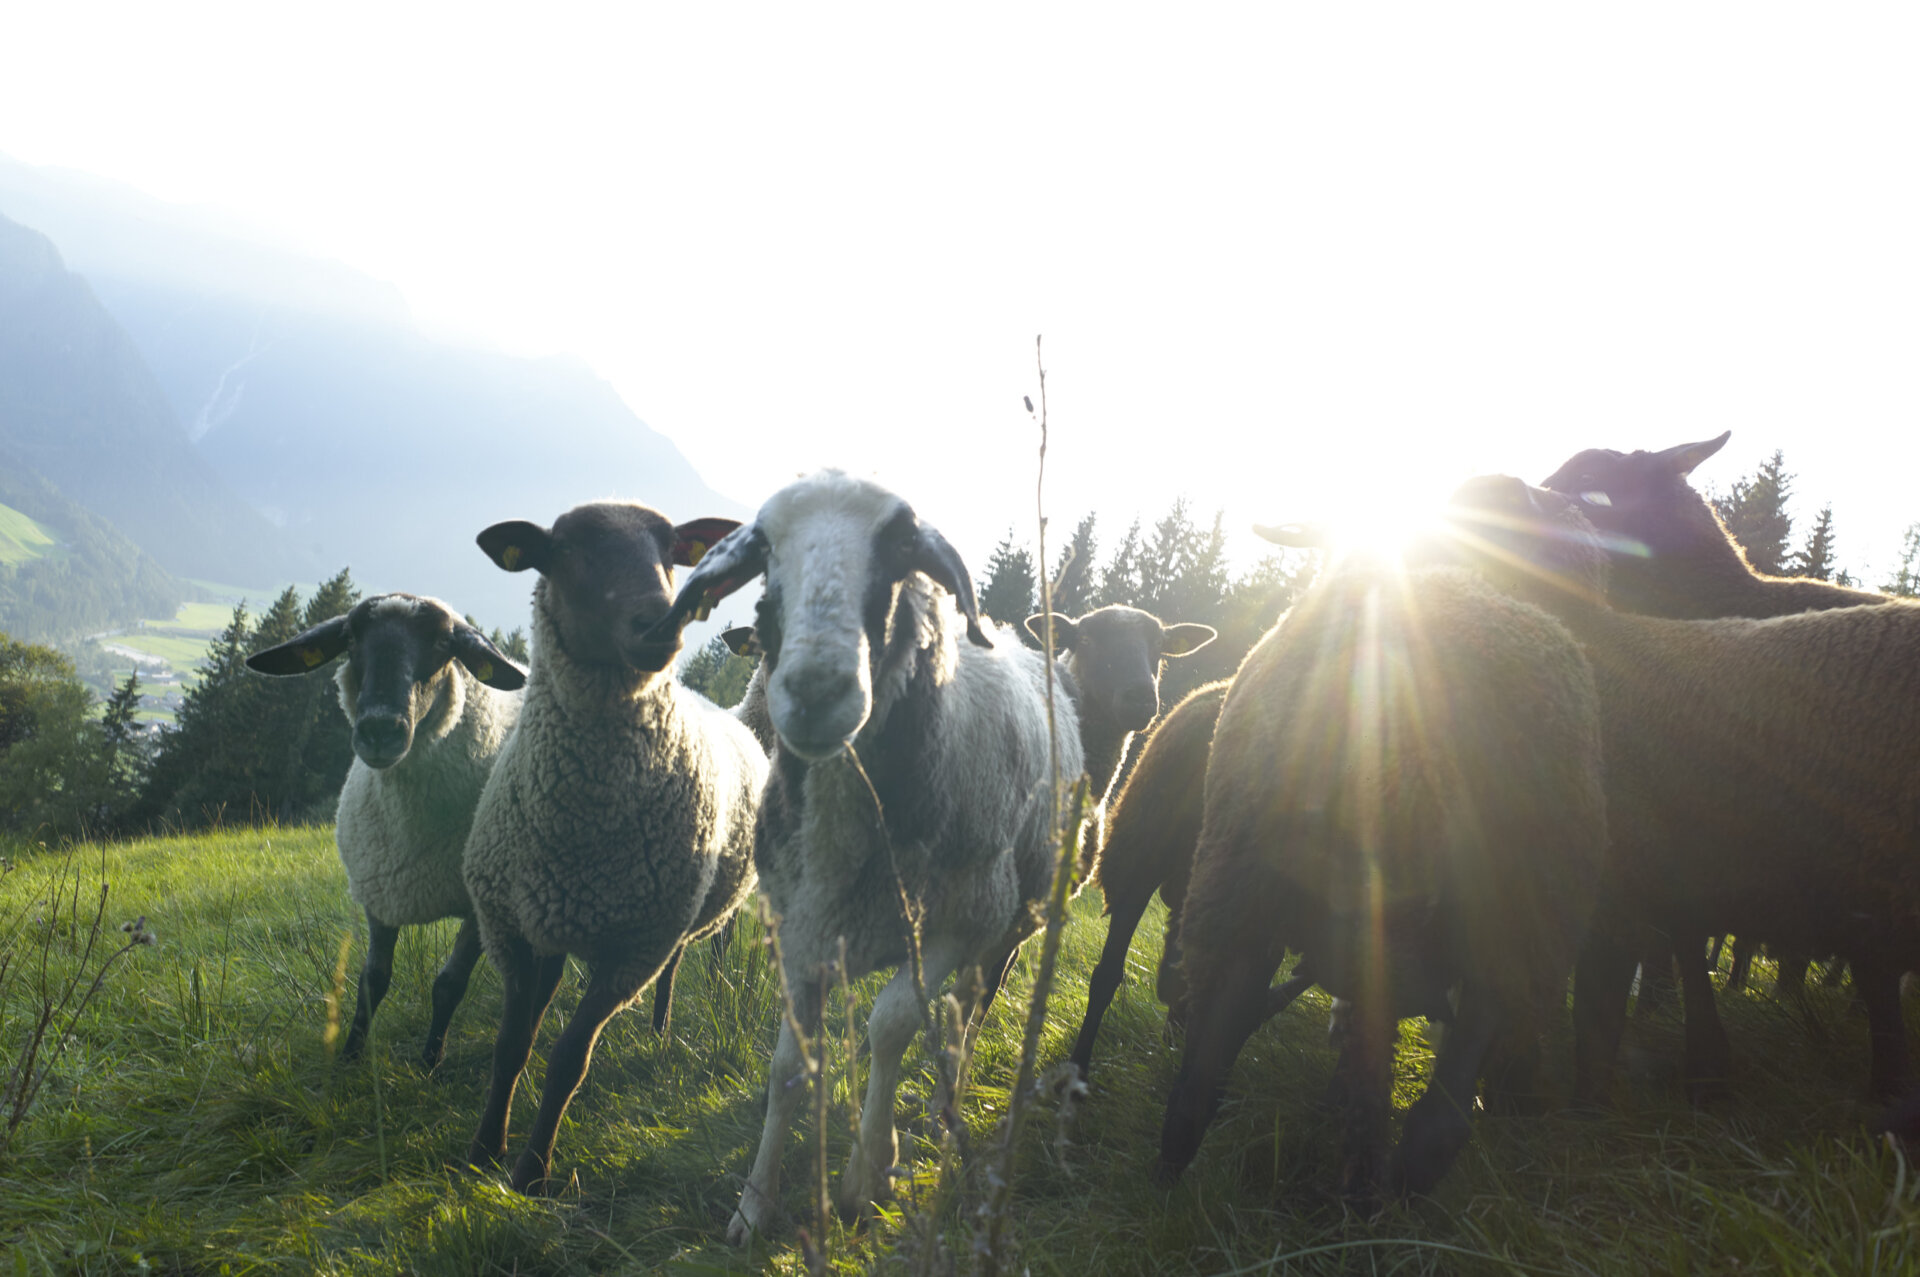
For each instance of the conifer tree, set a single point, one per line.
(1074, 571)
(1121, 580)
(1905, 581)
(1755, 511)
(1815, 558)
(319, 747)
(207, 732)
(1007, 596)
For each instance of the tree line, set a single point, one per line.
(247, 748)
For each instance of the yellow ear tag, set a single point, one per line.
(311, 656)
(696, 551)
(510, 557)
(485, 671)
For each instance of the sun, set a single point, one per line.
(1376, 521)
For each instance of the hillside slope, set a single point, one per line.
(90, 578)
(79, 408)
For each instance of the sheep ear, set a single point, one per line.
(691, 541)
(1297, 536)
(933, 555)
(303, 653)
(517, 545)
(728, 564)
(1682, 458)
(485, 661)
(1065, 632)
(739, 640)
(1186, 638)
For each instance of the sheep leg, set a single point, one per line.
(1877, 981)
(1123, 919)
(449, 987)
(1170, 981)
(1224, 1015)
(375, 975)
(1438, 1125)
(529, 982)
(891, 1025)
(1743, 951)
(786, 1074)
(609, 988)
(1601, 982)
(1708, 1055)
(1656, 979)
(663, 991)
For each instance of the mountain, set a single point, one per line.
(65, 572)
(80, 409)
(308, 390)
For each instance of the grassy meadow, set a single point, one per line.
(196, 1121)
(22, 539)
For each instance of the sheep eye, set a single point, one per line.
(1596, 498)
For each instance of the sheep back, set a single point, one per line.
(1417, 747)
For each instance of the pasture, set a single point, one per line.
(196, 1121)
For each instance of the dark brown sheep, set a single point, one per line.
(1404, 787)
(1761, 779)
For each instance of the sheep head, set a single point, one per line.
(398, 647)
(606, 578)
(1116, 653)
(1533, 543)
(1642, 499)
(836, 552)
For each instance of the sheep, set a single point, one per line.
(1672, 556)
(618, 823)
(1405, 786)
(866, 679)
(1761, 780)
(1147, 846)
(431, 703)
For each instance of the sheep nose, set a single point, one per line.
(1136, 706)
(381, 739)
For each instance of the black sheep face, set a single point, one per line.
(1116, 654)
(606, 572)
(1531, 542)
(1641, 500)
(395, 681)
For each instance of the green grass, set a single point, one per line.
(22, 539)
(195, 620)
(197, 1124)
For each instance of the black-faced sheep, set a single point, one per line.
(1672, 556)
(431, 703)
(1761, 779)
(1405, 787)
(865, 666)
(618, 823)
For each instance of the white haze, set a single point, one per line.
(1287, 259)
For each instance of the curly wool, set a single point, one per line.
(402, 830)
(619, 818)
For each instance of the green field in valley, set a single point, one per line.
(22, 539)
(196, 1122)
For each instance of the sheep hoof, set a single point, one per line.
(1704, 1092)
(740, 1230)
(530, 1177)
(431, 1055)
(1433, 1137)
(482, 1158)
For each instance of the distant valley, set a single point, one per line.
(240, 412)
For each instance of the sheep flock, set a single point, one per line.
(1565, 733)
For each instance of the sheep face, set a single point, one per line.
(1116, 653)
(396, 677)
(606, 578)
(836, 551)
(1642, 499)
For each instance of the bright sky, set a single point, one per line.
(1285, 257)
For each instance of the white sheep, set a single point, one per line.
(618, 823)
(862, 659)
(431, 703)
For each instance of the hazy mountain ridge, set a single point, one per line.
(307, 389)
(80, 409)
